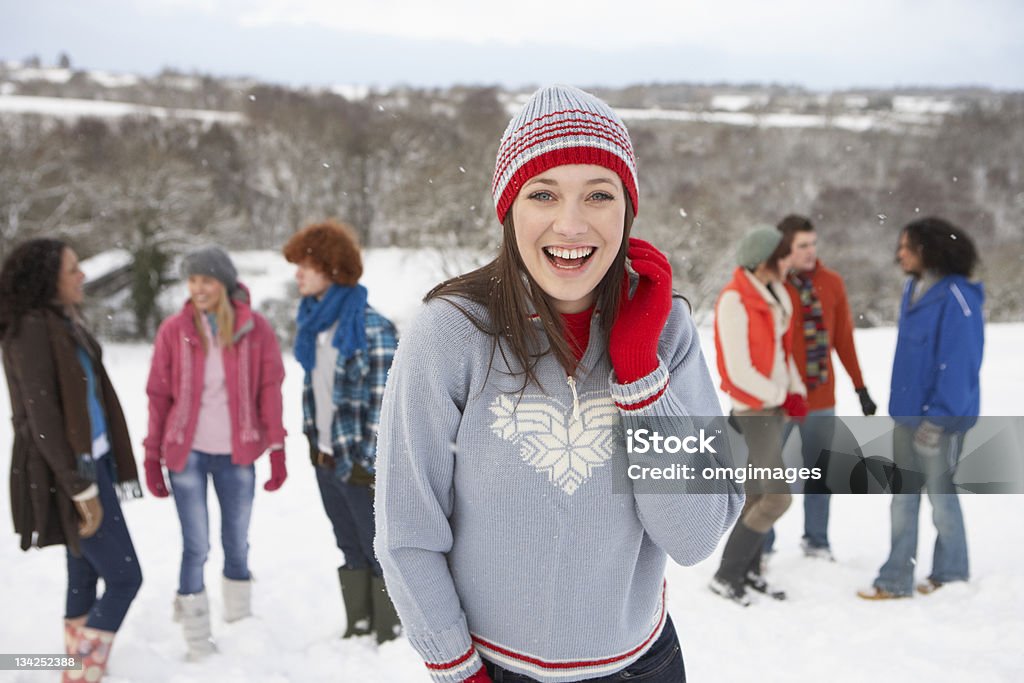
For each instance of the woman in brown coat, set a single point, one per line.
(72, 458)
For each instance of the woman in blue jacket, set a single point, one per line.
(934, 399)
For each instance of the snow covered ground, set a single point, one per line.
(912, 112)
(823, 632)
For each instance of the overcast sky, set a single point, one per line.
(819, 44)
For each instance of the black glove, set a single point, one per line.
(866, 404)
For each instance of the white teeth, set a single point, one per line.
(572, 254)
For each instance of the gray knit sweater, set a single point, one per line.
(497, 527)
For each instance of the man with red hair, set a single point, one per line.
(345, 348)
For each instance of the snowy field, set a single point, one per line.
(731, 110)
(823, 632)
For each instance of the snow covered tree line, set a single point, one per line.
(412, 168)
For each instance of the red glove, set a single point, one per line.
(278, 472)
(795, 406)
(155, 479)
(633, 345)
(479, 677)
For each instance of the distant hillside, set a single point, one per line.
(155, 164)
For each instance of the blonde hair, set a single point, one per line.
(224, 314)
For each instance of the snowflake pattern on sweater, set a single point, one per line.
(557, 443)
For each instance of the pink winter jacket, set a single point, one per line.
(253, 371)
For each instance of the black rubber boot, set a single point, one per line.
(385, 618)
(355, 593)
(743, 546)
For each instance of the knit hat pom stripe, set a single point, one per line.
(559, 142)
(522, 136)
(561, 125)
(579, 133)
(550, 158)
(565, 113)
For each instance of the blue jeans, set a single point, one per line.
(350, 509)
(662, 663)
(235, 486)
(816, 434)
(108, 555)
(949, 562)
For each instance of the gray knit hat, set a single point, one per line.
(757, 245)
(561, 125)
(211, 261)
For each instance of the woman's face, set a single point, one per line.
(205, 291)
(569, 223)
(70, 279)
(908, 256)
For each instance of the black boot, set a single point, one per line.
(755, 580)
(385, 618)
(355, 593)
(755, 561)
(743, 546)
(758, 583)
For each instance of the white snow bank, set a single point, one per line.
(67, 107)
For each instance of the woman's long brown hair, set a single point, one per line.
(506, 289)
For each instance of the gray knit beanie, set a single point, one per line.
(211, 261)
(561, 125)
(757, 245)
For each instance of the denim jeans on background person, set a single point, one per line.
(108, 555)
(235, 486)
(350, 509)
(949, 561)
(816, 434)
(662, 663)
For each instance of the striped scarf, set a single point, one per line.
(815, 334)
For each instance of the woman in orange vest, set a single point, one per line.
(752, 321)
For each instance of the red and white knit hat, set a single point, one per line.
(561, 125)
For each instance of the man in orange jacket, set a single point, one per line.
(821, 323)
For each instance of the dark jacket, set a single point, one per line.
(51, 427)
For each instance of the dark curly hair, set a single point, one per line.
(28, 280)
(944, 248)
(333, 249)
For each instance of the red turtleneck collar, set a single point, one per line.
(577, 331)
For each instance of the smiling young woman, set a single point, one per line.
(72, 461)
(214, 408)
(497, 431)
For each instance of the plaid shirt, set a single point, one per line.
(358, 390)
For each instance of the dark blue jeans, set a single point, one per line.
(350, 509)
(235, 487)
(108, 555)
(662, 663)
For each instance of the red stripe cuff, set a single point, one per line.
(452, 664)
(643, 403)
